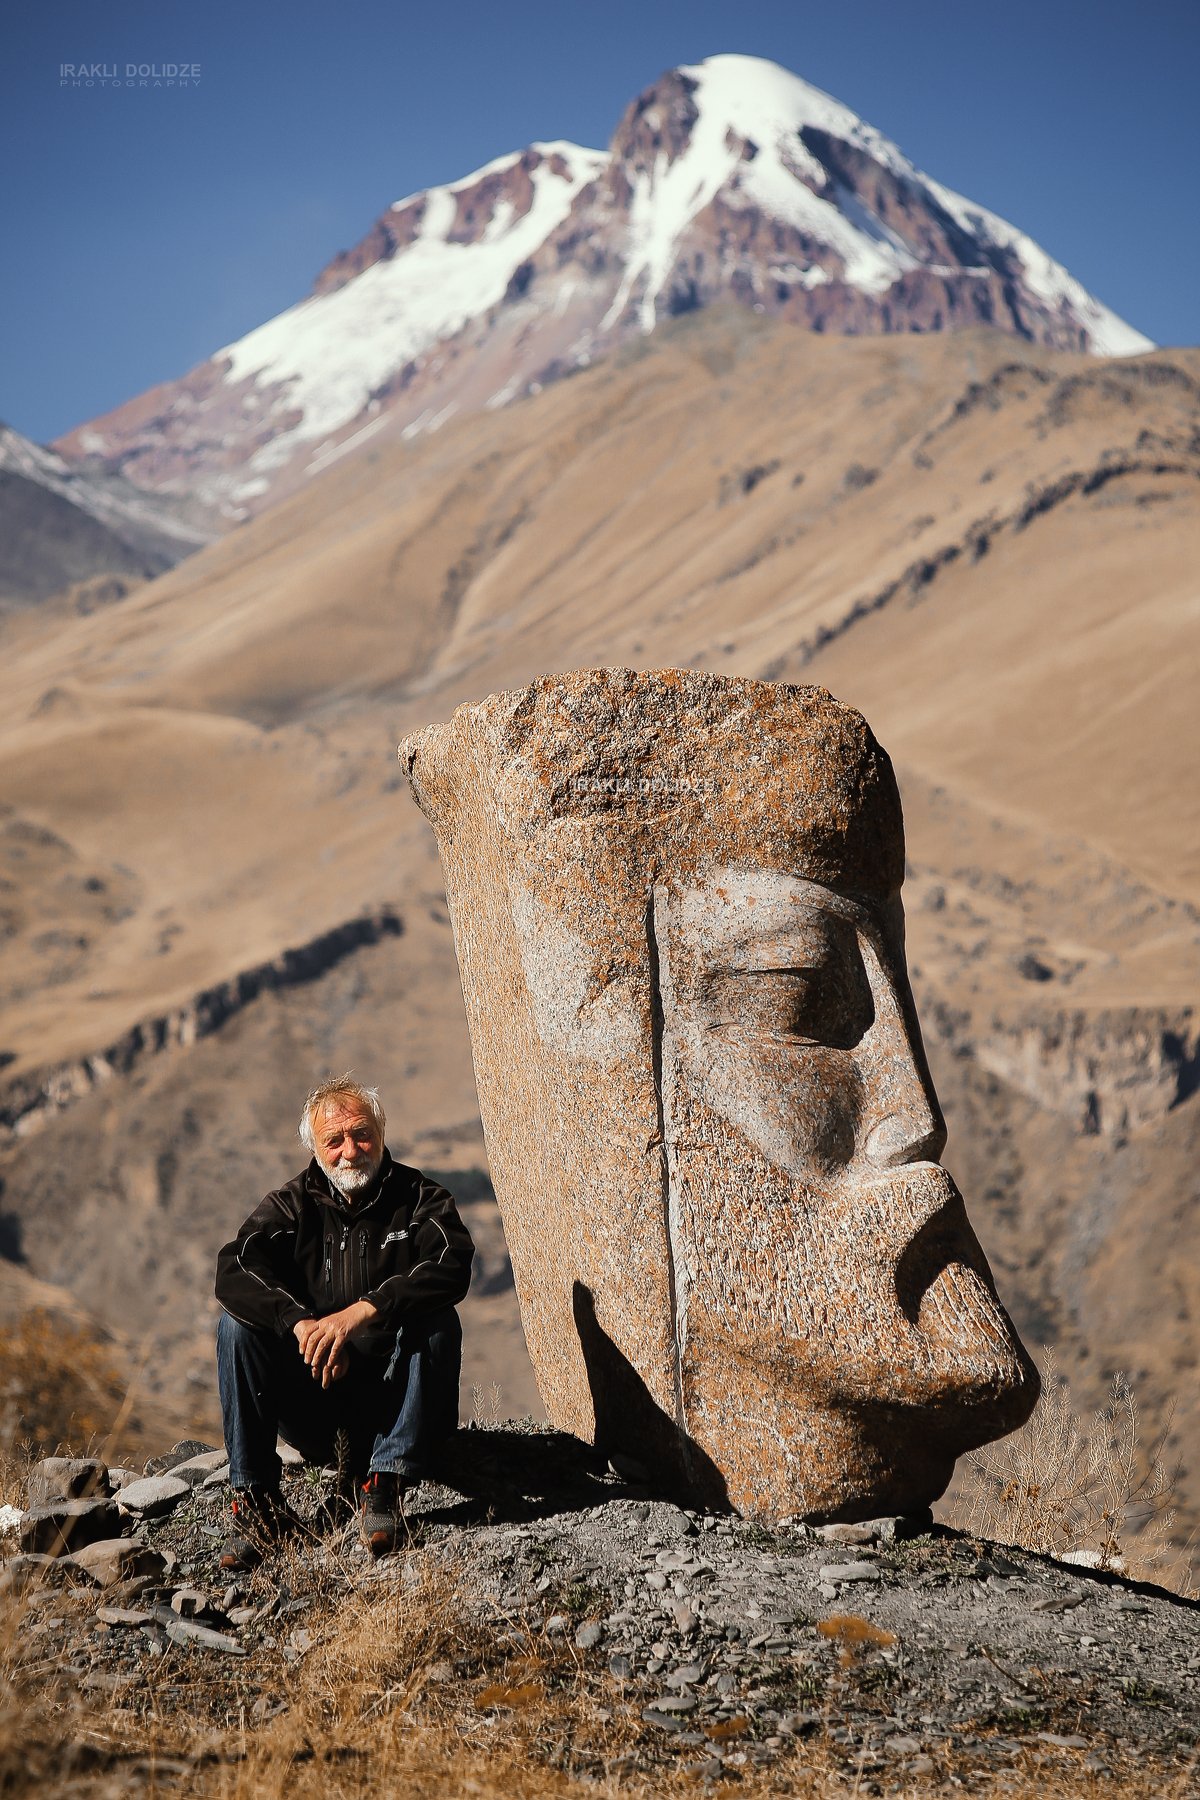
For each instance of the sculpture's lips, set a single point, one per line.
(899, 1206)
(949, 1313)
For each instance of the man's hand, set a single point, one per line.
(323, 1341)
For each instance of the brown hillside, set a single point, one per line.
(991, 548)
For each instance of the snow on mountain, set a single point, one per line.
(333, 351)
(741, 102)
(726, 178)
(120, 506)
(60, 525)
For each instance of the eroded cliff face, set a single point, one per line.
(1109, 1072)
(29, 1101)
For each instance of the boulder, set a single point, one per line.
(66, 1525)
(154, 1495)
(66, 1478)
(197, 1469)
(112, 1560)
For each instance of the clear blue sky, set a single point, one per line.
(142, 229)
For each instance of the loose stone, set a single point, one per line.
(186, 1631)
(197, 1469)
(686, 1675)
(187, 1603)
(181, 1452)
(154, 1496)
(65, 1525)
(854, 1571)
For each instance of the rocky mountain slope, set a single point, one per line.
(550, 1609)
(989, 547)
(731, 178)
(60, 527)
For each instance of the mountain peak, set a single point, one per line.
(730, 177)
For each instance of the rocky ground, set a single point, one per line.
(546, 1596)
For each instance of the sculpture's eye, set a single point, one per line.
(811, 991)
(797, 1003)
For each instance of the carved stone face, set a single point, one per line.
(709, 1121)
(832, 1299)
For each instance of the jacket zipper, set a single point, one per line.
(344, 1300)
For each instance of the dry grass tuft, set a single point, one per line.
(1065, 1484)
(487, 1403)
(57, 1384)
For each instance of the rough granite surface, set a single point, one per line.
(709, 1119)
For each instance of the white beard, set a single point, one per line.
(353, 1179)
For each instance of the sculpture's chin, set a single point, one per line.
(784, 1455)
(856, 1429)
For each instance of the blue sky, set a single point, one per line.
(144, 228)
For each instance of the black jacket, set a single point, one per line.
(305, 1252)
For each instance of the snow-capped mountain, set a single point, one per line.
(59, 526)
(729, 178)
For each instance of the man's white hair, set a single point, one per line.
(343, 1088)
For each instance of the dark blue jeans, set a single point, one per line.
(394, 1410)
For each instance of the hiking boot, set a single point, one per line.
(381, 1522)
(262, 1518)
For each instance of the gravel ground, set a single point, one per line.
(703, 1641)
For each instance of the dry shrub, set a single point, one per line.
(64, 1384)
(57, 1384)
(1064, 1483)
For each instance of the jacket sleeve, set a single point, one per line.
(439, 1272)
(258, 1279)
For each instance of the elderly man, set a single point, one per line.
(339, 1324)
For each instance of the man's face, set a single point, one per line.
(348, 1145)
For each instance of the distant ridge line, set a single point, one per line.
(29, 1101)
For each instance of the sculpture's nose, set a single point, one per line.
(905, 1123)
(907, 1136)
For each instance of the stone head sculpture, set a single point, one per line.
(711, 1127)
